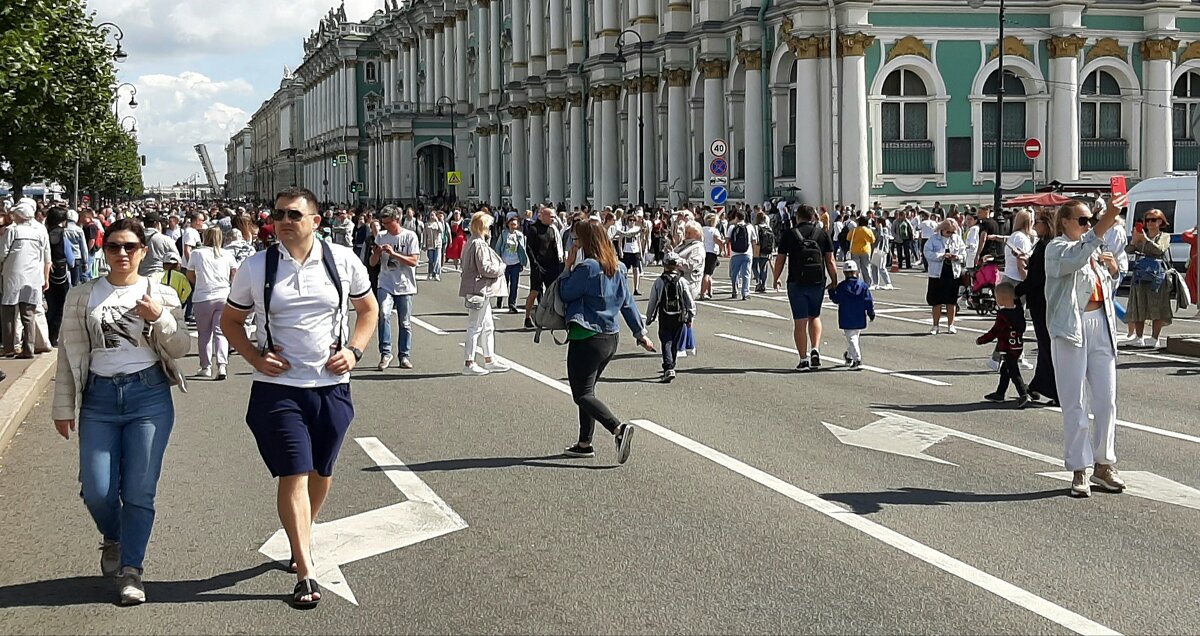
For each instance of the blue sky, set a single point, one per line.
(200, 73)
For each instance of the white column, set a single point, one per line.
(520, 158)
(483, 170)
(449, 62)
(631, 142)
(855, 171)
(578, 151)
(610, 173)
(537, 37)
(394, 78)
(398, 169)
(435, 67)
(650, 153)
(714, 108)
(520, 46)
(497, 81)
(1062, 149)
(384, 73)
(1157, 135)
(483, 70)
(578, 30)
(537, 153)
(497, 164)
(752, 119)
(429, 65)
(460, 60)
(558, 34)
(808, 130)
(678, 137)
(556, 160)
(352, 96)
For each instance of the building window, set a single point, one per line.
(904, 112)
(372, 73)
(1102, 145)
(1015, 114)
(1185, 110)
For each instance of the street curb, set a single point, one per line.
(1184, 345)
(23, 395)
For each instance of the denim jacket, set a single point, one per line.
(1069, 284)
(593, 300)
(935, 252)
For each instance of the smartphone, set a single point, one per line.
(1139, 227)
(1120, 187)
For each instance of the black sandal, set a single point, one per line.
(307, 587)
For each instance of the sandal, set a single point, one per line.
(309, 588)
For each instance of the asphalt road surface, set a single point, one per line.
(739, 511)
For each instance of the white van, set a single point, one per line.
(1176, 197)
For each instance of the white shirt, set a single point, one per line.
(753, 235)
(191, 237)
(1115, 241)
(927, 228)
(395, 277)
(305, 318)
(116, 332)
(24, 253)
(1018, 244)
(972, 243)
(710, 242)
(213, 273)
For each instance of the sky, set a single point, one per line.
(201, 72)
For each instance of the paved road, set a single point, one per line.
(738, 512)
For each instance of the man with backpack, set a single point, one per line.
(544, 245)
(742, 237)
(672, 304)
(807, 251)
(763, 251)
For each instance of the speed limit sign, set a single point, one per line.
(718, 148)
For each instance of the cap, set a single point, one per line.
(25, 208)
(72, 216)
(850, 266)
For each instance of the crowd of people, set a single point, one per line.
(115, 290)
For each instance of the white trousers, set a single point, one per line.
(481, 331)
(1088, 373)
(852, 348)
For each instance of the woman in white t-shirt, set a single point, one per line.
(1017, 247)
(121, 336)
(211, 269)
(714, 243)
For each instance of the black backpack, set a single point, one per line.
(739, 239)
(766, 240)
(809, 257)
(672, 298)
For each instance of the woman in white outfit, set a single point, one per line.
(1081, 322)
(211, 270)
(482, 280)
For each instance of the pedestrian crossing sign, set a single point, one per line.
(453, 178)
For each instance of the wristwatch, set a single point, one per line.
(358, 354)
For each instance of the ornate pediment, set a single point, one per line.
(1192, 52)
(1014, 46)
(1106, 47)
(909, 45)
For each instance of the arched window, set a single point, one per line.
(904, 112)
(792, 105)
(1100, 107)
(1014, 132)
(1186, 105)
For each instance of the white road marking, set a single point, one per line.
(970, 574)
(832, 362)
(738, 311)
(426, 326)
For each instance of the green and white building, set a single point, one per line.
(822, 100)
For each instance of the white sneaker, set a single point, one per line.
(1025, 364)
(496, 367)
(384, 362)
(204, 372)
(889, 287)
(951, 329)
(1149, 342)
(682, 353)
(132, 590)
(933, 332)
(474, 369)
(222, 372)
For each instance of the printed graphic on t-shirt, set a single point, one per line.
(117, 327)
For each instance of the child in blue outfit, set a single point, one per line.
(855, 306)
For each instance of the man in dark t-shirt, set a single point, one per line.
(988, 228)
(807, 251)
(543, 243)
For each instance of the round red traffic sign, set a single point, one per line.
(1033, 148)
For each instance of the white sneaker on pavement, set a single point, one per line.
(496, 367)
(204, 372)
(132, 590)
(384, 361)
(474, 369)
(1025, 364)
(951, 329)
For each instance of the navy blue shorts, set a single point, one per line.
(299, 430)
(805, 300)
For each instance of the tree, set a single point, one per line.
(111, 166)
(55, 89)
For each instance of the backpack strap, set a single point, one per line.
(332, 270)
(270, 273)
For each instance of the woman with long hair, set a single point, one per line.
(595, 292)
(458, 240)
(1033, 288)
(482, 280)
(210, 269)
(1082, 325)
(510, 244)
(241, 239)
(121, 337)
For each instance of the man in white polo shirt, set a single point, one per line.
(395, 253)
(300, 406)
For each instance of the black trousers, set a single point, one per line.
(1043, 376)
(56, 297)
(1010, 370)
(586, 360)
(669, 332)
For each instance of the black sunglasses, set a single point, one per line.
(1085, 221)
(292, 215)
(117, 248)
(1153, 219)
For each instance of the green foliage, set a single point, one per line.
(56, 96)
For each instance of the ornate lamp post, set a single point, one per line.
(999, 191)
(620, 59)
(119, 54)
(447, 101)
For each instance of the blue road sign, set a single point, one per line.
(719, 195)
(719, 167)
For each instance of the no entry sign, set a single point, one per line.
(1033, 148)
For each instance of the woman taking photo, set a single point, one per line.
(121, 337)
(210, 269)
(594, 290)
(1149, 293)
(482, 271)
(1033, 288)
(944, 252)
(511, 247)
(1082, 324)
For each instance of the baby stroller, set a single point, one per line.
(979, 287)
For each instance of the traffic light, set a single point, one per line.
(334, 162)
(143, 161)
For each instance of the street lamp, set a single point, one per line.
(376, 130)
(447, 101)
(133, 129)
(620, 59)
(119, 54)
(998, 194)
(117, 96)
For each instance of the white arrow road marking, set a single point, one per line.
(1017, 596)
(909, 437)
(832, 362)
(424, 516)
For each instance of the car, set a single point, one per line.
(1175, 195)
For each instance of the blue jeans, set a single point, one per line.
(761, 265)
(403, 306)
(739, 274)
(513, 274)
(124, 424)
(435, 261)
